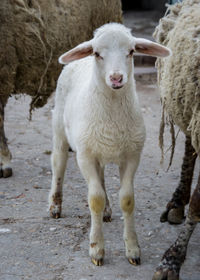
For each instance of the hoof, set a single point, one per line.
(6, 172)
(97, 262)
(134, 261)
(165, 275)
(107, 219)
(55, 215)
(164, 216)
(173, 216)
(55, 211)
(107, 214)
(176, 215)
(158, 275)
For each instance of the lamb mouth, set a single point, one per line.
(117, 86)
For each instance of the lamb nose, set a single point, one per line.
(116, 78)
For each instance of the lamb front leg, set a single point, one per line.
(5, 155)
(127, 172)
(172, 260)
(58, 163)
(174, 212)
(97, 201)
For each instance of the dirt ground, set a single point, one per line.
(34, 246)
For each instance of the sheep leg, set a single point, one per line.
(126, 195)
(107, 211)
(96, 201)
(58, 163)
(5, 155)
(174, 257)
(174, 212)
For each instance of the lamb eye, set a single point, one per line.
(131, 52)
(98, 55)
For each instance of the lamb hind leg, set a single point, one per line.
(174, 212)
(5, 155)
(174, 257)
(107, 211)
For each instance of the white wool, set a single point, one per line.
(110, 124)
(97, 113)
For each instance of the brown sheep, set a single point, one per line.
(33, 34)
(179, 81)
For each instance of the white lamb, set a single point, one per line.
(97, 113)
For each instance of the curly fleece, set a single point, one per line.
(179, 74)
(34, 33)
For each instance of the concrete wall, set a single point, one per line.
(144, 5)
(154, 4)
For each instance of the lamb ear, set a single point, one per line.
(150, 48)
(81, 51)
